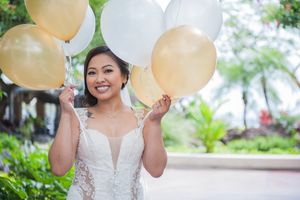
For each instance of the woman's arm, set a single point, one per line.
(63, 149)
(155, 156)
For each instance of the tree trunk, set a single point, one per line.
(264, 87)
(245, 101)
(40, 109)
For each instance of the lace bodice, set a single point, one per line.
(108, 168)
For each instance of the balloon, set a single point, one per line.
(144, 85)
(203, 14)
(130, 29)
(183, 61)
(163, 3)
(61, 18)
(83, 37)
(31, 58)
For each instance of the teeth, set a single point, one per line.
(102, 88)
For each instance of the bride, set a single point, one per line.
(108, 141)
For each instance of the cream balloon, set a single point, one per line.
(144, 85)
(83, 37)
(31, 58)
(183, 61)
(203, 14)
(61, 18)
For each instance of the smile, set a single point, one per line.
(102, 89)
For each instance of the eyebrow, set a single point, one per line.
(101, 67)
(106, 66)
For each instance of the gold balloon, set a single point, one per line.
(144, 85)
(183, 61)
(61, 18)
(31, 58)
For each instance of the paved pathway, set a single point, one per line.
(224, 184)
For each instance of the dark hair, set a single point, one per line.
(89, 99)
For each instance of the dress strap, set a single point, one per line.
(139, 114)
(81, 114)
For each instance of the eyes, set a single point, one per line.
(90, 73)
(108, 71)
(94, 72)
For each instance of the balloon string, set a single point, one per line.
(70, 72)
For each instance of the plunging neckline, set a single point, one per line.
(107, 140)
(108, 137)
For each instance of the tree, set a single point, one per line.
(286, 14)
(253, 50)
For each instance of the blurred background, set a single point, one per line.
(251, 105)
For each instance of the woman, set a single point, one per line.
(108, 140)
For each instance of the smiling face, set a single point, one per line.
(104, 78)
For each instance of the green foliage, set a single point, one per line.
(208, 129)
(1, 94)
(269, 144)
(237, 72)
(286, 14)
(27, 172)
(27, 129)
(12, 13)
(176, 129)
(288, 123)
(13, 186)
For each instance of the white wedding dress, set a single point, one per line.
(108, 168)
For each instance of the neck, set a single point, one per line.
(110, 106)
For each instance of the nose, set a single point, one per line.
(100, 79)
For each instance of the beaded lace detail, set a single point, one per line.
(84, 179)
(139, 114)
(82, 114)
(136, 178)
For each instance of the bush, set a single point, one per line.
(176, 130)
(25, 172)
(265, 144)
(208, 129)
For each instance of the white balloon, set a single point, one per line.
(130, 29)
(83, 37)
(163, 3)
(205, 15)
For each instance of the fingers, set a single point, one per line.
(67, 94)
(167, 100)
(163, 104)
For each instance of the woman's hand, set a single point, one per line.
(66, 99)
(160, 108)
